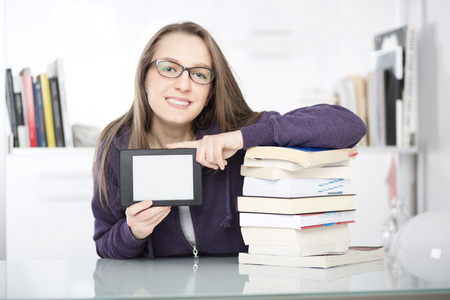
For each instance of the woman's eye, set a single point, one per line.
(167, 69)
(199, 75)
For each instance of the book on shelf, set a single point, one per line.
(299, 221)
(11, 106)
(56, 70)
(28, 92)
(21, 112)
(394, 56)
(300, 205)
(295, 187)
(39, 111)
(306, 157)
(48, 111)
(299, 250)
(404, 37)
(38, 107)
(350, 92)
(293, 237)
(391, 63)
(353, 256)
(359, 84)
(272, 173)
(56, 110)
(376, 115)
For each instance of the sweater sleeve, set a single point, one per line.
(318, 126)
(112, 235)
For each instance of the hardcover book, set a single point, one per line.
(56, 110)
(278, 173)
(48, 112)
(353, 256)
(285, 164)
(301, 205)
(296, 187)
(29, 106)
(39, 112)
(299, 250)
(303, 221)
(307, 157)
(293, 237)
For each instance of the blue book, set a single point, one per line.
(39, 113)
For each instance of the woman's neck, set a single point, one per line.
(159, 137)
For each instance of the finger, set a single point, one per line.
(152, 213)
(218, 156)
(161, 216)
(201, 156)
(138, 207)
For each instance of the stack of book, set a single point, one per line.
(296, 207)
(37, 108)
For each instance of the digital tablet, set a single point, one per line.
(168, 177)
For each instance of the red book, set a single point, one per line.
(29, 100)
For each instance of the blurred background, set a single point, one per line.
(285, 54)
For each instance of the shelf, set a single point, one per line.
(26, 152)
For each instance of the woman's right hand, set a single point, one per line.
(143, 218)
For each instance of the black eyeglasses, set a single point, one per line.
(170, 69)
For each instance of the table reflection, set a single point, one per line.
(207, 277)
(168, 276)
(219, 276)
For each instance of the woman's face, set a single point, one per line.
(178, 101)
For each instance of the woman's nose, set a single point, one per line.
(183, 82)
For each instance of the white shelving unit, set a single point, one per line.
(48, 204)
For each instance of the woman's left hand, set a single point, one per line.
(213, 150)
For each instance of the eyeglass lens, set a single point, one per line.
(171, 70)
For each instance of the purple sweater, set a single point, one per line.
(216, 222)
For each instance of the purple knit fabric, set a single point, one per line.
(216, 222)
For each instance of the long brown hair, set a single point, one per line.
(226, 106)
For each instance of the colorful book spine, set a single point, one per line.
(30, 107)
(48, 113)
(56, 109)
(39, 113)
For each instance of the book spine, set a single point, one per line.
(56, 109)
(68, 138)
(19, 103)
(39, 112)
(48, 114)
(11, 106)
(408, 86)
(31, 116)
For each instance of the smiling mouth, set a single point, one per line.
(178, 102)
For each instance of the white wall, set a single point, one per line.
(433, 71)
(314, 43)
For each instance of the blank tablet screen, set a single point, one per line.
(162, 177)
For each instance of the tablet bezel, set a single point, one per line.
(126, 176)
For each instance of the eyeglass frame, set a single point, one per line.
(157, 61)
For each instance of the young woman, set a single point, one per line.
(186, 96)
